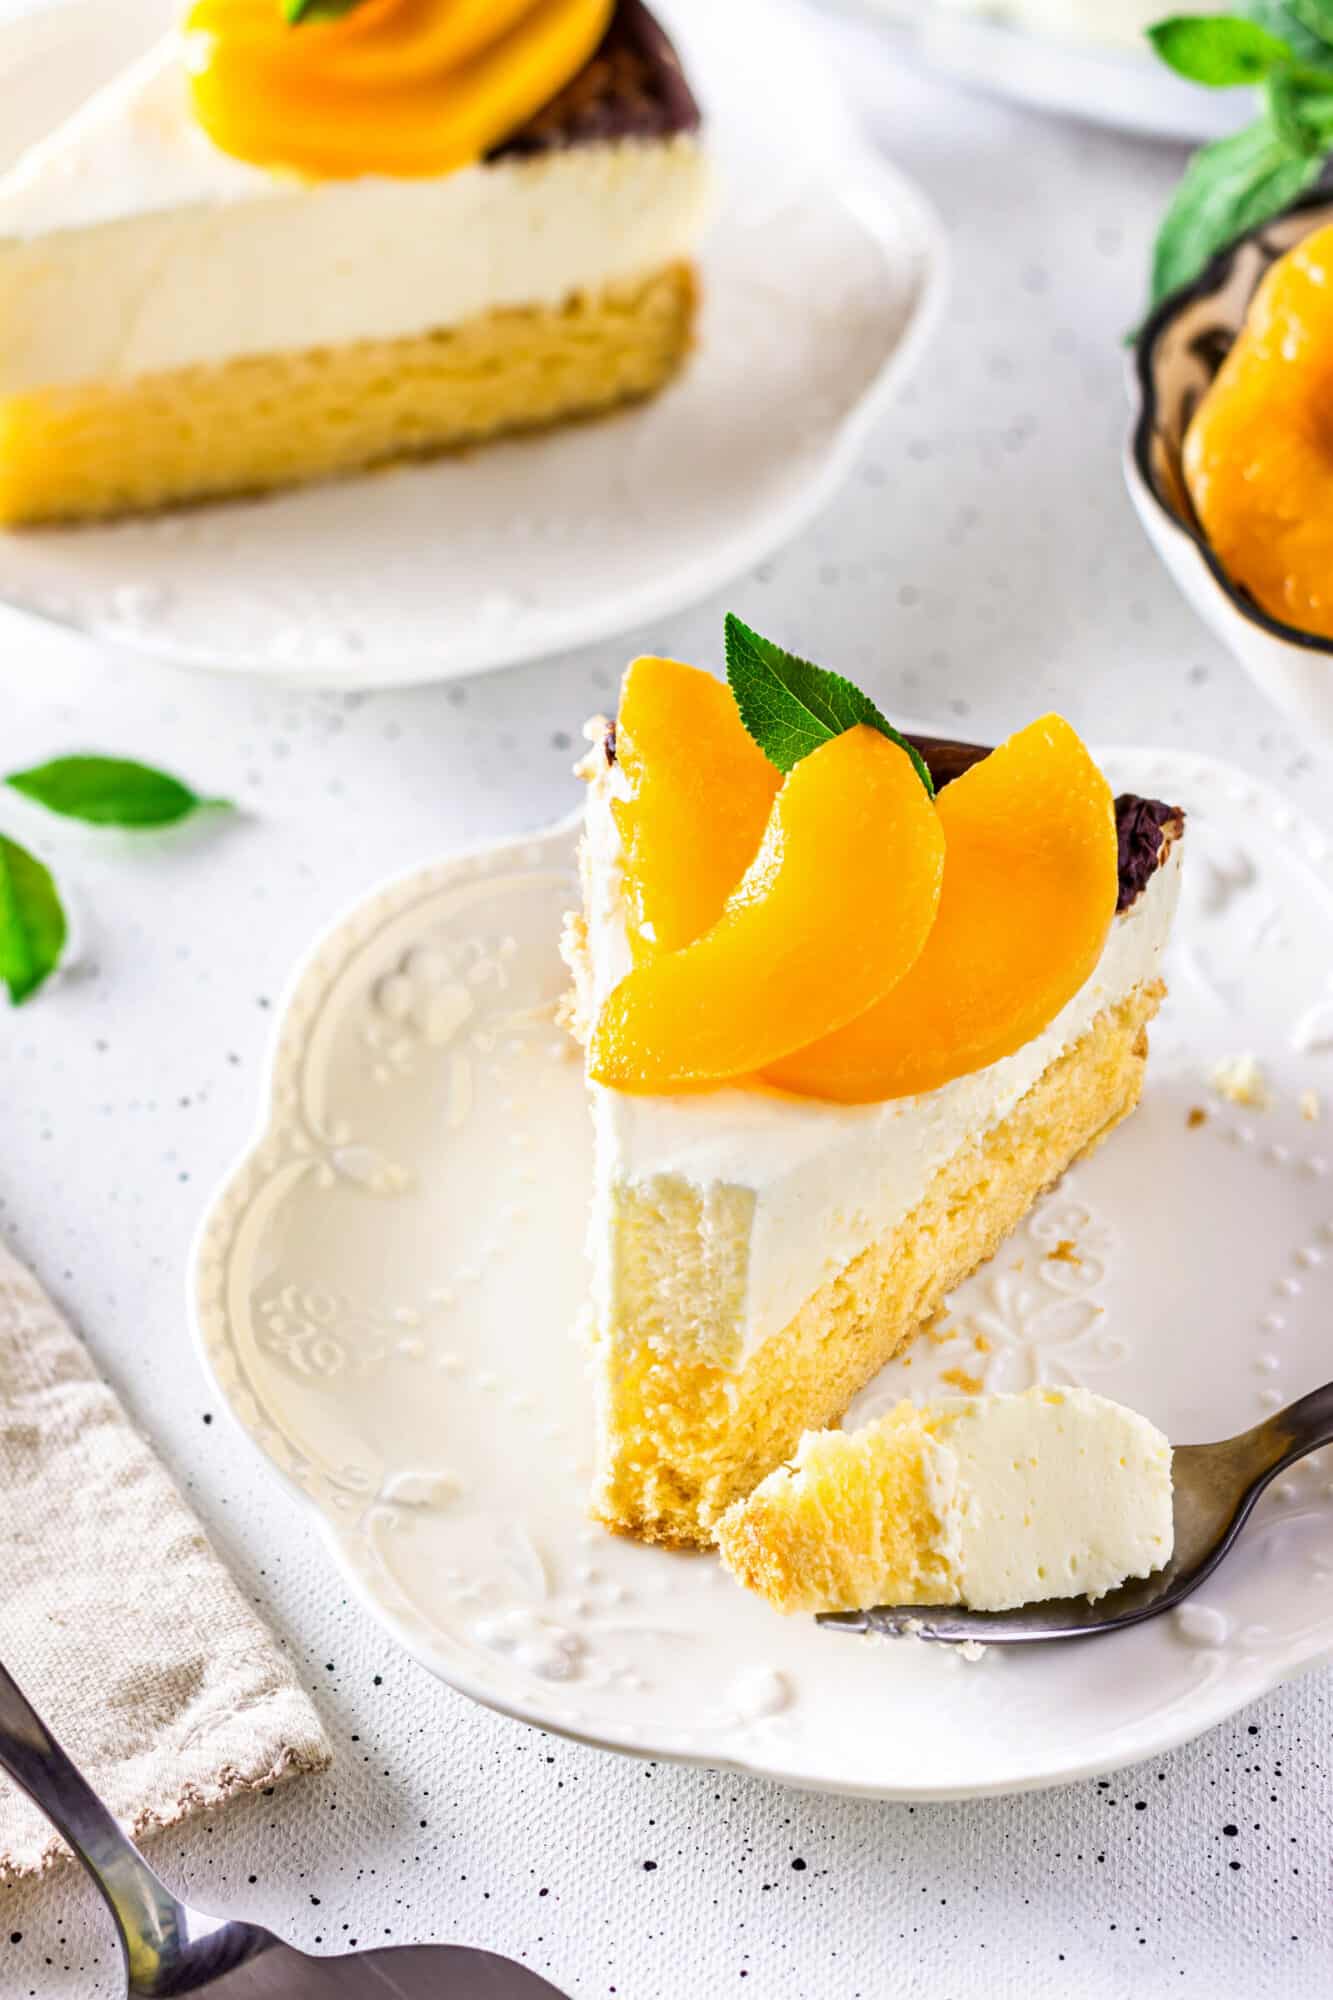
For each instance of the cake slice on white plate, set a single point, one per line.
(840, 1035)
(278, 249)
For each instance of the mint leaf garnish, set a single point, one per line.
(790, 706)
(1220, 50)
(32, 922)
(294, 12)
(1299, 117)
(1229, 187)
(1285, 49)
(109, 791)
(1306, 24)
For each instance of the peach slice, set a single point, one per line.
(1029, 892)
(399, 87)
(833, 910)
(701, 791)
(1258, 454)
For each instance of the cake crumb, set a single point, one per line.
(914, 1628)
(1241, 1081)
(982, 1343)
(1064, 1252)
(1197, 1117)
(940, 1330)
(959, 1378)
(1311, 1109)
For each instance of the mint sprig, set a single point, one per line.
(32, 921)
(789, 706)
(1306, 24)
(109, 791)
(1230, 186)
(1284, 48)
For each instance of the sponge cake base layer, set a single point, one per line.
(683, 1438)
(92, 450)
(857, 1521)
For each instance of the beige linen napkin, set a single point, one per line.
(115, 1615)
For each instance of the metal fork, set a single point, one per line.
(1215, 1489)
(170, 1948)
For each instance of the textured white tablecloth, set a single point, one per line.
(982, 563)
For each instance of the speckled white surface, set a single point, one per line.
(983, 563)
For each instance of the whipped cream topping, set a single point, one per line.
(827, 1179)
(193, 257)
(1054, 1493)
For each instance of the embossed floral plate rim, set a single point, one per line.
(311, 991)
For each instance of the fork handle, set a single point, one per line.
(1302, 1427)
(149, 1919)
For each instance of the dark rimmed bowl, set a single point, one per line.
(1176, 355)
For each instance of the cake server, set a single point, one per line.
(170, 1948)
(1214, 1489)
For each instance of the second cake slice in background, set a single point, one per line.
(178, 321)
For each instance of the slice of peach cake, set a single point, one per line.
(850, 1003)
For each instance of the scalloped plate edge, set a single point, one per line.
(307, 991)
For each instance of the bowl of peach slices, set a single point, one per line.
(1230, 460)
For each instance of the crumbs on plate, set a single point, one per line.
(1241, 1081)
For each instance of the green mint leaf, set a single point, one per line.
(790, 707)
(294, 12)
(32, 922)
(108, 791)
(1297, 114)
(1306, 24)
(1316, 118)
(1220, 50)
(1228, 187)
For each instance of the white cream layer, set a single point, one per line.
(129, 243)
(827, 1179)
(1055, 1493)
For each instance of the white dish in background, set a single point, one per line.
(1125, 88)
(388, 1289)
(821, 275)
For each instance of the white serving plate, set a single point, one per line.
(389, 1288)
(1125, 88)
(822, 275)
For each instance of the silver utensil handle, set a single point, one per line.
(150, 1920)
(1302, 1427)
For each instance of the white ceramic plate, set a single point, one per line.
(1125, 88)
(388, 1293)
(821, 274)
